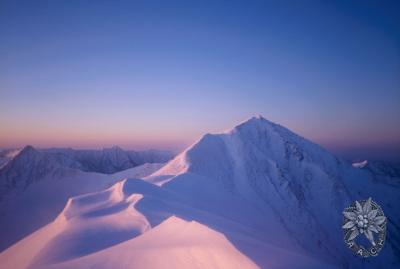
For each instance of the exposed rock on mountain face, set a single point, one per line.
(268, 197)
(29, 166)
(110, 160)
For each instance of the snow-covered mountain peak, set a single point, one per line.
(273, 195)
(114, 148)
(270, 166)
(261, 139)
(360, 164)
(260, 130)
(28, 151)
(30, 165)
(267, 164)
(28, 148)
(253, 122)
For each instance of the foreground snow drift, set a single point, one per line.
(127, 226)
(257, 196)
(24, 211)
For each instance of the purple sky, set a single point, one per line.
(161, 74)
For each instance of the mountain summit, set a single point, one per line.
(270, 198)
(269, 166)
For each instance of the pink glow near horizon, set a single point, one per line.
(178, 136)
(146, 79)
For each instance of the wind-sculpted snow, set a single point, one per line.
(136, 224)
(304, 186)
(257, 196)
(40, 202)
(38, 182)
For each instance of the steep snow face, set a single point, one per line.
(266, 197)
(271, 167)
(31, 166)
(304, 186)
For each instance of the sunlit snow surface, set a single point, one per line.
(257, 196)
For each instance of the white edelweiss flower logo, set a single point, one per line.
(365, 219)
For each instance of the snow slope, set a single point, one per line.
(6, 155)
(20, 168)
(37, 183)
(255, 196)
(37, 203)
(108, 229)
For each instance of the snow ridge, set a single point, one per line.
(262, 195)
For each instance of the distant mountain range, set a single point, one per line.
(257, 196)
(29, 176)
(107, 160)
(20, 167)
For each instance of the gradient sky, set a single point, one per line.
(145, 74)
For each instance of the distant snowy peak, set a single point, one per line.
(106, 160)
(360, 164)
(112, 160)
(30, 165)
(380, 168)
(258, 185)
(26, 153)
